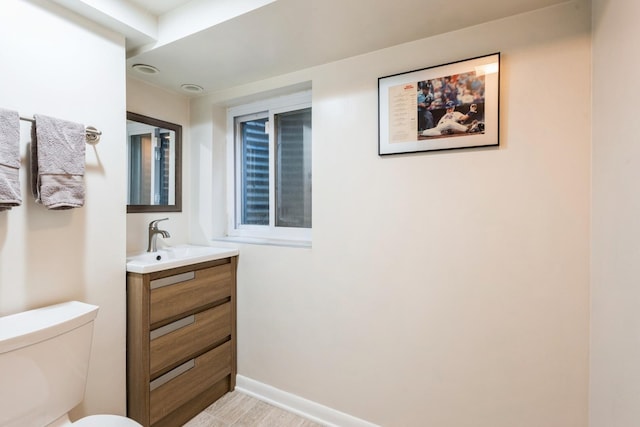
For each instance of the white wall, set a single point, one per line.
(445, 289)
(151, 101)
(58, 64)
(615, 294)
(456, 296)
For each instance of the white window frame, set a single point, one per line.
(273, 106)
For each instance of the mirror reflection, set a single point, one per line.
(154, 165)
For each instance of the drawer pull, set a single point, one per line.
(167, 329)
(163, 379)
(172, 280)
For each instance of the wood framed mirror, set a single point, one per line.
(154, 165)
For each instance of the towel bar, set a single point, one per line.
(92, 134)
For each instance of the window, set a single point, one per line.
(270, 170)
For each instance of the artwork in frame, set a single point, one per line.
(444, 107)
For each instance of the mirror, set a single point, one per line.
(154, 165)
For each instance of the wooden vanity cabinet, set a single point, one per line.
(181, 341)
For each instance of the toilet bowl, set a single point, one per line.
(96, 421)
(105, 421)
(44, 360)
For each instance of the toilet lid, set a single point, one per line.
(105, 421)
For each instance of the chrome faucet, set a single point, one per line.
(153, 234)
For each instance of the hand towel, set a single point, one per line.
(9, 159)
(57, 162)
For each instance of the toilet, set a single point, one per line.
(44, 360)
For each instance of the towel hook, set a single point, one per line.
(92, 134)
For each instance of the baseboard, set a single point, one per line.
(305, 408)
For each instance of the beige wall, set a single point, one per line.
(151, 101)
(615, 297)
(445, 289)
(55, 63)
(456, 295)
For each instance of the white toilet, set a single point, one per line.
(44, 359)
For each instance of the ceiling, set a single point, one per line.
(159, 7)
(274, 37)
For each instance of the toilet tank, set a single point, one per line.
(44, 359)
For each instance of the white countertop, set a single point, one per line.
(176, 256)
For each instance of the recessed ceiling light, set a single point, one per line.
(145, 69)
(188, 87)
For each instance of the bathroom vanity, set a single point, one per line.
(181, 339)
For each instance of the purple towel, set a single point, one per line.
(57, 163)
(9, 159)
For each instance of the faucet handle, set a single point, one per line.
(154, 224)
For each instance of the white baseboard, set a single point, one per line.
(305, 408)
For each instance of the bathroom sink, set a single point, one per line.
(175, 256)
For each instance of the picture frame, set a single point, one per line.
(444, 107)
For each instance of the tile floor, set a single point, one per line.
(237, 409)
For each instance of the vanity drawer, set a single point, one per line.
(199, 375)
(206, 286)
(199, 332)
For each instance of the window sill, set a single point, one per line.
(265, 241)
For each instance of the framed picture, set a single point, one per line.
(445, 107)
